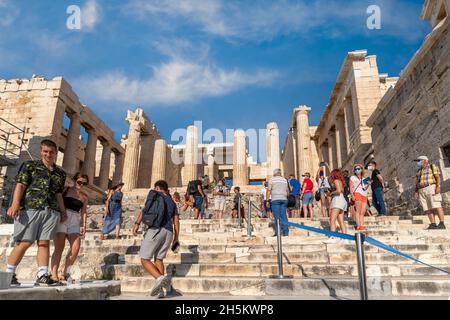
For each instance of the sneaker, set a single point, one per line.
(45, 281)
(361, 228)
(330, 241)
(161, 283)
(441, 226)
(432, 226)
(14, 281)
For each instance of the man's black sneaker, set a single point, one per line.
(432, 226)
(45, 281)
(441, 226)
(14, 281)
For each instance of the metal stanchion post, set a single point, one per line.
(249, 219)
(360, 237)
(280, 253)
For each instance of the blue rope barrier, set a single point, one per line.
(369, 240)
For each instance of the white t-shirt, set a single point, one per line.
(323, 183)
(360, 186)
(264, 193)
(279, 187)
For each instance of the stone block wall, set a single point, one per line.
(413, 119)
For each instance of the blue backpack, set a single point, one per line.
(154, 213)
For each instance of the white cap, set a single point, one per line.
(422, 158)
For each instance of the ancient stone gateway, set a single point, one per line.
(39, 106)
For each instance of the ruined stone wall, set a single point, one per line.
(413, 119)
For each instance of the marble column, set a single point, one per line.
(333, 150)
(72, 144)
(303, 139)
(325, 153)
(89, 155)
(341, 141)
(159, 161)
(240, 168)
(131, 163)
(105, 165)
(273, 148)
(349, 123)
(191, 158)
(146, 154)
(118, 168)
(211, 164)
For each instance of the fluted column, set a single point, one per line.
(273, 148)
(325, 153)
(240, 168)
(118, 168)
(211, 164)
(131, 163)
(147, 147)
(73, 140)
(341, 142)
(303, 139)
(105, 165)
(191, 160)
(89, 155)
(332, 150)
(159, 161)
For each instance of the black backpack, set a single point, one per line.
(192, 187)
(154, 213)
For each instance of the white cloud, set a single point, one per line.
(266, 19)
(90, 15)
(8, 13)
(171, 83)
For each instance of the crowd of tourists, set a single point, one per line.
(45, 210)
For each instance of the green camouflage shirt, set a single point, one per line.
(42, 185)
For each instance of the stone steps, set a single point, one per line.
(437, 286)
(121, 271)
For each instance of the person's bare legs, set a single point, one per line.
(159, 264)
(18, 252)
(357, 208)
(333, 217)
(75, 244)
(341, 222)
(362, 213)
(311, 211)
(118, 231)
(305, 210)
(43, 253)
(322, 204)
(431, 216)
(440, 213)
(59, 243)
(151, 268)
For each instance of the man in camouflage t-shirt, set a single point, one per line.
(37, 208)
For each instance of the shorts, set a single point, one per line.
(339, 202)
(156, 244)
(360, 198)
(220, 203)
(308, 198)
(71, 225)
(266, 208)
(428, 199)
(323, 191)
(198, 202)
(33, 225)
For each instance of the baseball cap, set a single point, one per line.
(422, 158)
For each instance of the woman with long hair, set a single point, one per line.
(358, 191)
(75, 201)
(113, 216)
(338, 203)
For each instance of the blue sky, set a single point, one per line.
(230, 63)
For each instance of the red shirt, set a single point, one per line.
(309, 185)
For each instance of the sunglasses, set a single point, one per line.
(82, 183)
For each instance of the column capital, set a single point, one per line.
(302, 110)
(105, 143)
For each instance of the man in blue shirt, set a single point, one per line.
(295, 191)
(158, 241)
